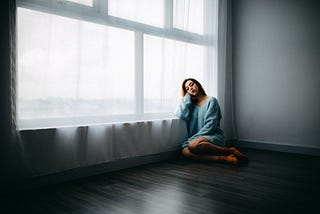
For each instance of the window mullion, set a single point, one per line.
(168, 14)
(139, 101)
(102, 6)
(96, 3)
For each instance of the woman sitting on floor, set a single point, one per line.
(202, 115)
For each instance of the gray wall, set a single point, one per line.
(276, 65)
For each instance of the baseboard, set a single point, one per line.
(82, 172)
(275, 147)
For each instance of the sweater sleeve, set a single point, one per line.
(212, 117)
(183, 111)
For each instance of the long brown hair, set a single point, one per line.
(184, 91)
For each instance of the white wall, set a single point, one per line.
(276, 64)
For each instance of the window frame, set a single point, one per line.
(98, 14)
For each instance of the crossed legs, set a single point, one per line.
(201, 149)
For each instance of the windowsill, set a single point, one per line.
(38, 124)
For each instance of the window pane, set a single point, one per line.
(84, 2)
(144, 11)
(71, 68)
(166, 64)
(188, 15)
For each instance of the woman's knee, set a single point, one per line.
(193, 145)
(198, 145)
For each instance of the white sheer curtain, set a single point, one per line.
(225, 82)
(143, 11)
(167, 63)
(189, 15)
(47, 151)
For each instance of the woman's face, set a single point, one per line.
(191, 88)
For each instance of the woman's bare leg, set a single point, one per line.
(201, 145)
(203, 157)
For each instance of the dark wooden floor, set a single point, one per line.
(272, 182)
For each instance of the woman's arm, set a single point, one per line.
(183, 111)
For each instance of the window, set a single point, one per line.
(143, 11)
(98, 61)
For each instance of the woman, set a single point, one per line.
(202, 114)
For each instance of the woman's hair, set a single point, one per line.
(184, 91)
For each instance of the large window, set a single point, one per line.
(82, 62)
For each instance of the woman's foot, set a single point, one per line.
(228, 159)
(238, 154)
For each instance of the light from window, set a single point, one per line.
(143, 11)
(71, 68)
(166, 63)
(189, 15)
